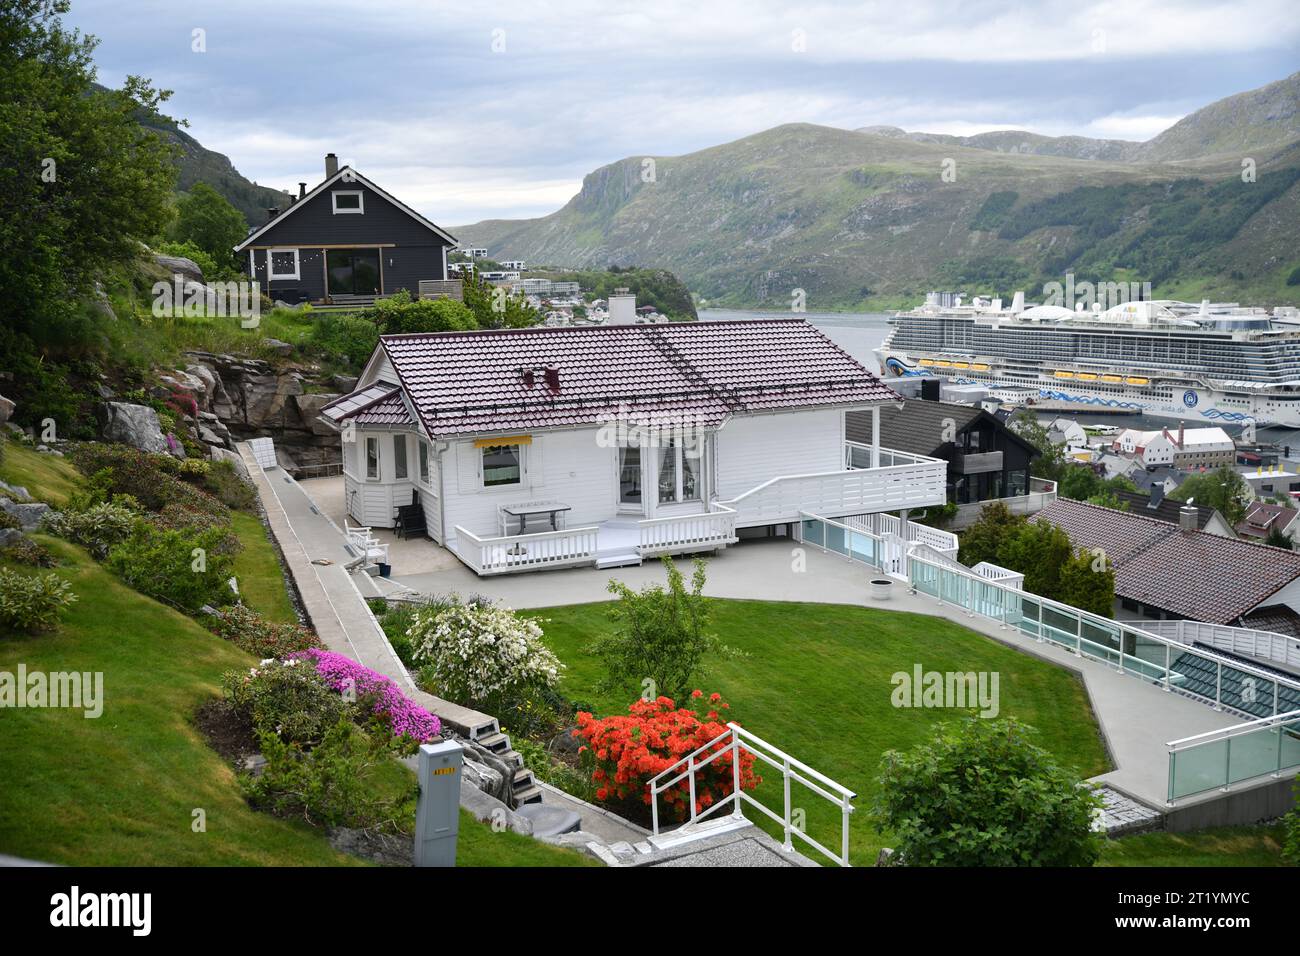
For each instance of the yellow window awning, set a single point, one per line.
(503, 440)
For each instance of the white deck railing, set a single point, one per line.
(1264, 646)
(881, 524)
(519, 552)
(902, 481)
(737, 741)
(714, 528)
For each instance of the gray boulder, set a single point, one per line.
(187, 268)
(135, 425)
(225, 454)
(10, 536)
(7, 407)
(29, 516)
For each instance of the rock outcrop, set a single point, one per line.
(135, 425)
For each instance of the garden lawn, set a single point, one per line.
(46, 477)
(1220, 846)
(257, 569)
(815, 682)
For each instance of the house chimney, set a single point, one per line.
(1187, 517)
(302, 190)
(528, 376)
(1180, 434)
(552, 378)
(331, 165)
(272, 212)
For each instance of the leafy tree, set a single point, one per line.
(980, 793)
(82, 184)
(1107, 499)
(661, 635)
(1051, 461)
(206, 219)
(1224, 490)
(1039, 551)
(1278, 538)
(982, 541)
(399, 314)
(1087, 581)
(495, 308)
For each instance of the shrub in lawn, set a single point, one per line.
(153, 480)
(32, 603)
(98, 528)
(29, 552)
(405, 721)
(660, 634)
(1291, 828)
(340, 782)
(981, 794)
(627, 751)
(228, 486)
(396, 618)
(345, 338)
(184, 568)
(249, 631)
(182, 517)
(286, 698)
(482, 655)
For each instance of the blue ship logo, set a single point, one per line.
(1190, 398)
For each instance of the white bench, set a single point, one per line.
(365, 544)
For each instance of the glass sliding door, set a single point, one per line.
(629, 477)
(353, 271)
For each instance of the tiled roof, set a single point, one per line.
(917, 427)
(1262, 517)
(1167, 510)
(1193, 574)
(349, 406)
(701, 373)
(389, 411)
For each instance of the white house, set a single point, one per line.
(1188, 448)
(541, 447)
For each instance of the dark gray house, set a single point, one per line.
(986, 459)
(345, 241)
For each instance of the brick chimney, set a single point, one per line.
(1180, 434)
(331, 165)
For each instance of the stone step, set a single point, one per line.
(621, 560)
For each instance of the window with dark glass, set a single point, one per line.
(424, 462)
(502, 465)
(399, 456)
(629, 475)
(372, 457)
(353, 271)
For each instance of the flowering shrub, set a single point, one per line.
(154, 480)
(251, 632)
(286, 698)
(181, 567)
(376, 694)
(482, 654)
(629, 751)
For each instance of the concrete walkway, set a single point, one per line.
(1136, 718)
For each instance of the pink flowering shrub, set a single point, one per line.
(404, 717)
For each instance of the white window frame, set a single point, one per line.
(379, 458)
(272, 275)
(401, 457)
(361, 201)
(521, 450)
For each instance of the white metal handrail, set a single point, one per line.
(735, 741)
(1236, 730)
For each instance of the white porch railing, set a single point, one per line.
(517, 552)
(881, 524)
(1041, 494)
(737, 741)
(902, 481)
(993, 572)
(715, 528)
(1263, 646)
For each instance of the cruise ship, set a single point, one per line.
(1219, 363)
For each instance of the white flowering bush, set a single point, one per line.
(477, 653)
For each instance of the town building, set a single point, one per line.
(1263, 518)
(1191, 449)
(1154, 503)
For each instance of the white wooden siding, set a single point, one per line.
(566, 466)
(755, 449)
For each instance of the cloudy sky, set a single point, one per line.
(474, 109)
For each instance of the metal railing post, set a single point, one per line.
(654, 809)
(785, 772)
(1168, 665)
(1218, 685)
(690, 776)
(738, 812)
(845, 811)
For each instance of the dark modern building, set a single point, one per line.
(345, 241)
(986, 459)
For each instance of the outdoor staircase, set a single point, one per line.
(616, 545)
(524, 785)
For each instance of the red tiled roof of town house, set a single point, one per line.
(1262, 517)
(696, 373)
(1194, 574)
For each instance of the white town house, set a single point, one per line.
(533, 448)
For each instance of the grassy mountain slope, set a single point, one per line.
(864, 218)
